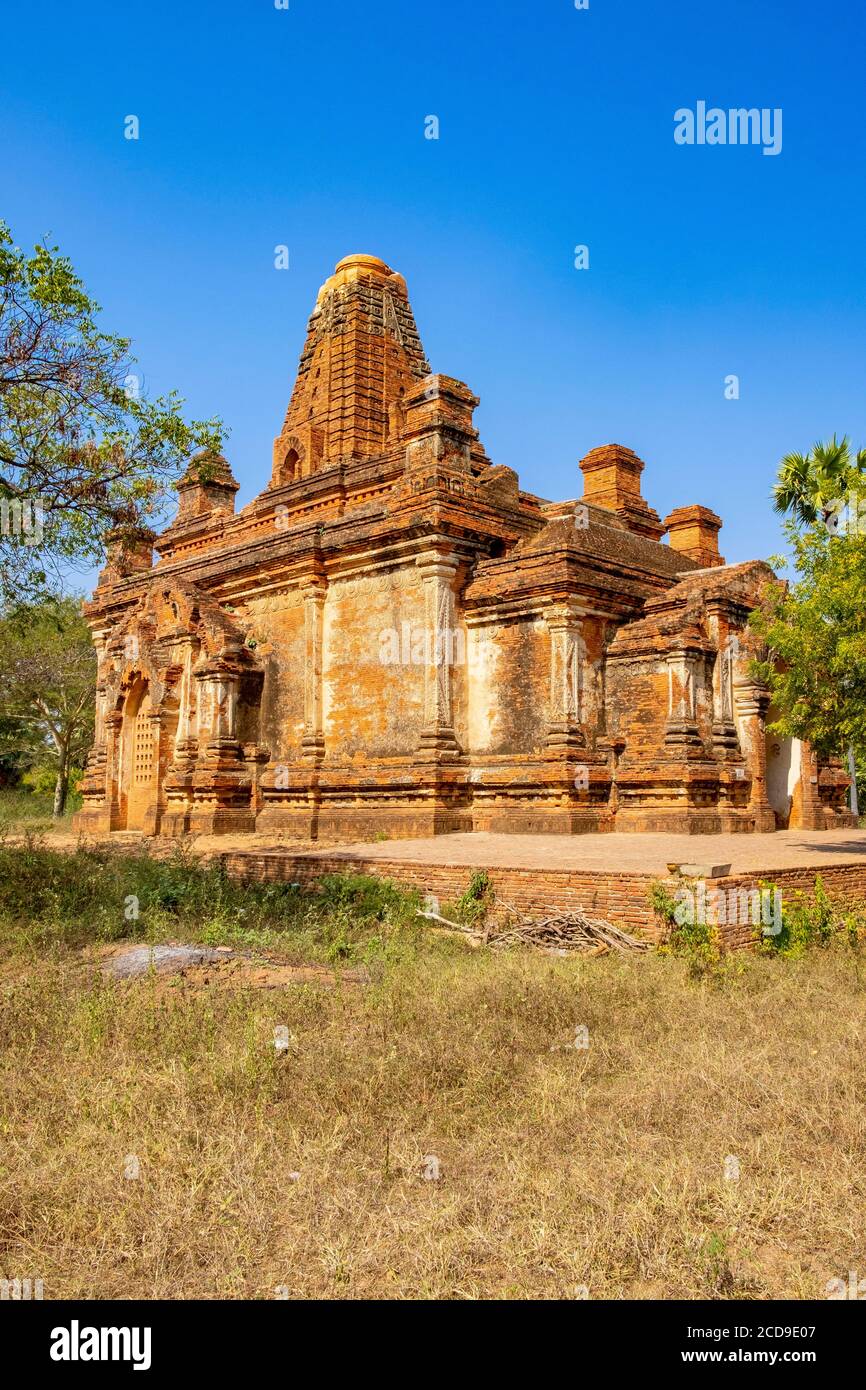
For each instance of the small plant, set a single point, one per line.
(700, 943)
(719, 1272)
(472, 906)
(340, 948)
(369, 898)
(813, 922)
(662, 902)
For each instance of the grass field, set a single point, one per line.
(155, 1143)
(21, 809)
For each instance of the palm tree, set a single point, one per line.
(812, 488)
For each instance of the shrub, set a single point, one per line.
(472, 906)
(97, 895)
(810, 922)
(377, 899)
(700, 943)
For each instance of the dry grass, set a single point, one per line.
(560, 1167)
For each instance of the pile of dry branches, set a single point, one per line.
(561, 932)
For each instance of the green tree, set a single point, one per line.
(47, 687)
(83, 452)
(815, 627)
(812, 488)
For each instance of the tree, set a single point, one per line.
(83, 452)
(47, 686)
(812, 488)
(815, 627)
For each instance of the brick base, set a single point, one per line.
(622, 898)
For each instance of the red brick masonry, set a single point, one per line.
(623, 898)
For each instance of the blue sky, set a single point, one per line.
(305, 127)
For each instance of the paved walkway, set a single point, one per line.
(637, 854)
(785, 849)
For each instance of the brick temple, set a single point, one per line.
(395, 638)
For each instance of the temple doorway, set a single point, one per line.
(784, 792)
(140, 770)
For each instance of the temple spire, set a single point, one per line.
(361, 357)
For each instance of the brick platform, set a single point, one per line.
(609, 877)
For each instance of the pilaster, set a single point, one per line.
(437, 573)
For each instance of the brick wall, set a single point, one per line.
(621, 898)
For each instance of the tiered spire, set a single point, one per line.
(361, 358)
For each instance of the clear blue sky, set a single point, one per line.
(306, 128)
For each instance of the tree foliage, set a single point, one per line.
(47, 687)
(83, 452)
(815, 627)
(813, 488)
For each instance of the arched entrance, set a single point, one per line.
(140, 755)
(177, 745)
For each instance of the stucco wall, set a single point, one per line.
(278, 626)
(509, 665)
(373, 704)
